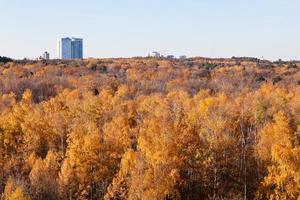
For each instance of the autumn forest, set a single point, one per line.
(149, 129)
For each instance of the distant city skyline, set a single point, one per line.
(126, 28)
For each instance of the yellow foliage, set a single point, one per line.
(146, 128)
(276, 133)
(18, 195)
(276, 146)
(13, 191)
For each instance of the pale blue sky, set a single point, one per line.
(125, 28)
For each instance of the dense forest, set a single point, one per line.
(149, 129)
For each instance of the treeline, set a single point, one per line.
(4, 59)
(149, 129)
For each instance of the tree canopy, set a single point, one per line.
(147, 128)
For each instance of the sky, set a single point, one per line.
(268, 29)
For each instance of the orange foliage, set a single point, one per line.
(150, 129)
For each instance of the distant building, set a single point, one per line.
(170, 57)
(46, 55)
(77, 48)
(64, 48)
(70, 48)
(182, 57)
(154, 54)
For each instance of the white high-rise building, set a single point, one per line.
(70, 48)
(154, 54)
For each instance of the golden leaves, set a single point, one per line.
(276, 146)
(13, 191)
